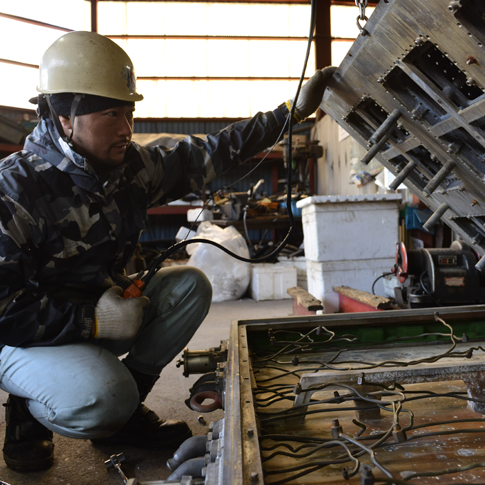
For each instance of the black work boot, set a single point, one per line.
(28, 444)
(145, 429)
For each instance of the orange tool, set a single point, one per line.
(139, 282)
(135, 289)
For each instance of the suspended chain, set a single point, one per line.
(362, 4)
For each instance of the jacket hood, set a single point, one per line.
(46, 142)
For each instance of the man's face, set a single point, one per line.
(102, 137)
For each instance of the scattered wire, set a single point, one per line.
(447, 471)
(300, 345)
(316, 452)
(157, 264)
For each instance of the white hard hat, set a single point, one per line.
(88, 63)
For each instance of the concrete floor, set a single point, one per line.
(79, 462)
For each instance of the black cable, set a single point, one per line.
(260, 162)
(447, 471)
(377, 279)
(237, 181)
(157, 264)
(324, 443)
(317, 466)
(316, 444)
(370, 365)
(329, 444)
(292, 343)
(370, 450)
(312, 444)
(451, 394)
(347, 337)
(356, 395)
(426, 290)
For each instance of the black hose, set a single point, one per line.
(157, 264)
(426, 289)
(191, 467)
(191, 448)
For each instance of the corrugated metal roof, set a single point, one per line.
(180, 127)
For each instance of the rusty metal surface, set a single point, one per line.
(421, 68)
(432, 453)
(442, 432)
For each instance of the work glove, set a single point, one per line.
(311, 94)
(118, 318)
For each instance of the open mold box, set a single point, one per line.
(417, 78)
(325, 399)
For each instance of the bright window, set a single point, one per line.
(191, 44)
(25, 43)
(187, 55)
(211, 99)
(30, 42)
(71, 14)
(344, 29)
(203, 18)
(18, 86)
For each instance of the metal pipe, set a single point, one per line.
(374, 150)
(435, 217)
(481, 264)
(385, 127)
(218, 78)
(17, 63)
(33, 22)
(439, 177)
(402, 175)
(193, 447)
(206, 37)
(94, 15)
(191, 467)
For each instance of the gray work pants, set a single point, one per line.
(83, 390)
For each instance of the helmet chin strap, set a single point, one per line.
(75, 103)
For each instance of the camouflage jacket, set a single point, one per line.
(64, 235)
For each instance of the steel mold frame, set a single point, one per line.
(240, 459)
(420, 67)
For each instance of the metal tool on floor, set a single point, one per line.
(114, 461)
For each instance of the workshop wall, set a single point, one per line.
(187, 127)
(339, 171)
(166, 226)
(272, 171)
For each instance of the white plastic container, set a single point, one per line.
(358, 274)
(300, 264)
(184, 233)
(270, 281)
(199, 215)
(353, 227)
